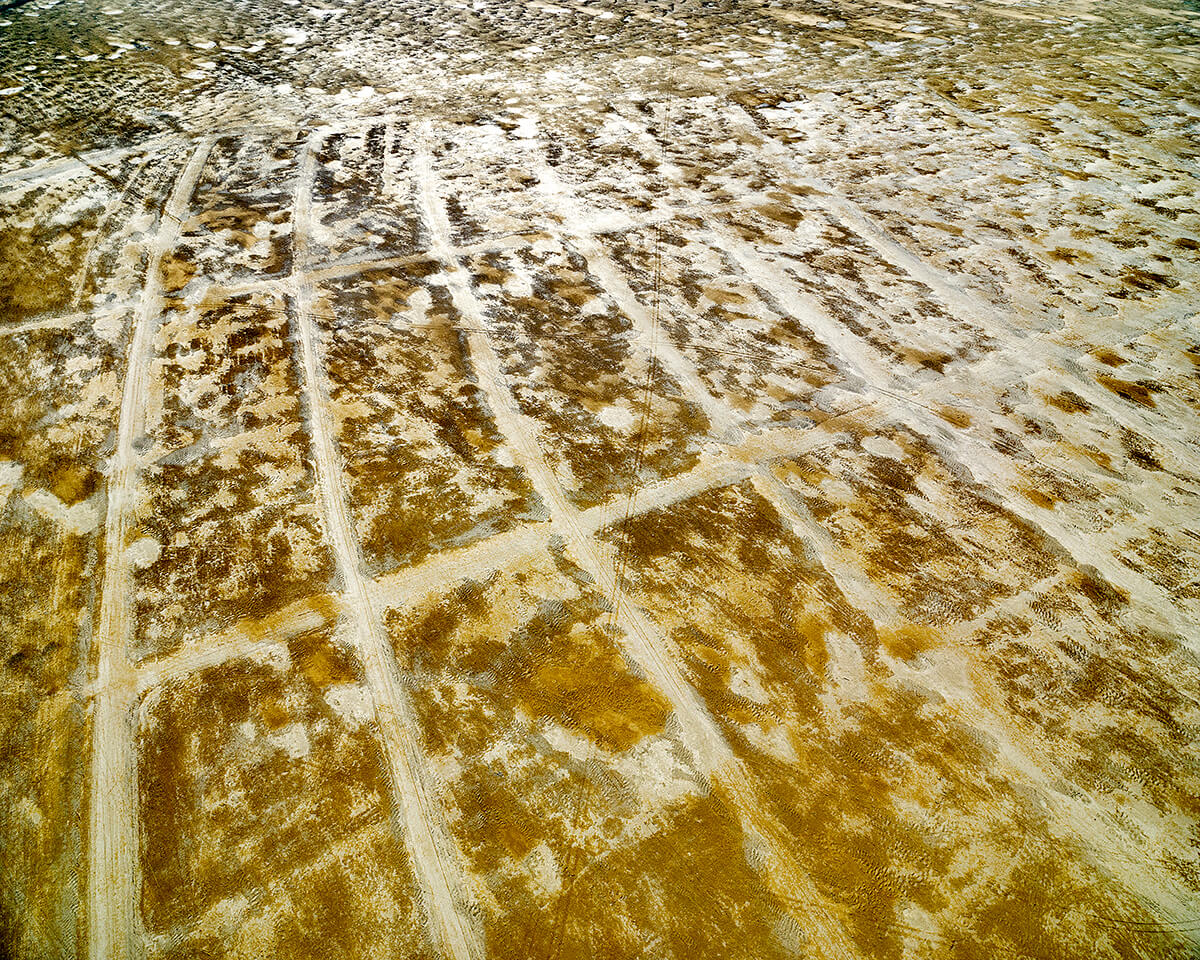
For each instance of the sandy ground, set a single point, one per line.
(595, 480)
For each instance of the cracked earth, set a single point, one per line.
(592, 480)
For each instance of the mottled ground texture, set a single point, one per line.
(546, 479)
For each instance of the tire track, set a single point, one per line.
(112, 873)
(415, 805)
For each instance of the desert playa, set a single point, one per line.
(586, 480)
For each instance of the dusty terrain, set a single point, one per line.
(588, 480)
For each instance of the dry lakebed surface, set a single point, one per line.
(570, 479)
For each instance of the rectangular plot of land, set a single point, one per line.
(764, 366)
(58, 391)
(362, 196)
(1106, 465)
(265, 820)
(240, 223)
(79, 242)
(605, 164)
(48, 570)
(897, 511)
(706, 147)
(488, 179)
(233, 529)
(46, 234)
(606, 412)
(426, 467)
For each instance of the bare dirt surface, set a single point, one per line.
(565, 479)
